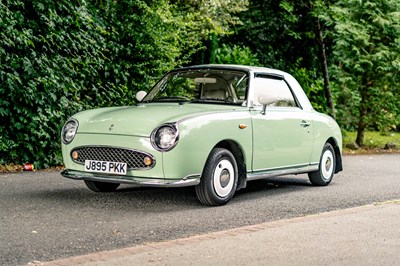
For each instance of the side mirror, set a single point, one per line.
(140, 95)
(267, 99)
(275, 100)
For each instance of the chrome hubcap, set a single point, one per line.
(328, 164)
(224, 178)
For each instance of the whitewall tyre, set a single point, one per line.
(219, 179)
(324, 175)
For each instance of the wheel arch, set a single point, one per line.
(237, 152)
(338, 154)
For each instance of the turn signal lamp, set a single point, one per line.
(75, 155)
(148, 161)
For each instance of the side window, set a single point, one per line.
(239, 84)
(276, 90)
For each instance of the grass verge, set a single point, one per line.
(374, 142)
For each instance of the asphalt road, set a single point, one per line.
(45, 216)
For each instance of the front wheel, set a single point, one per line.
(219, 179)
(97, 186)
(323, 176)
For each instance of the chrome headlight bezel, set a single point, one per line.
(165, 143)
(69, 131)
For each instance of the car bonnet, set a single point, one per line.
(139, 120)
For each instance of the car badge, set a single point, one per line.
(111, 127)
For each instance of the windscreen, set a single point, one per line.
(201, 86)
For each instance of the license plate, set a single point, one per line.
(115, 168)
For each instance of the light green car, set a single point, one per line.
(214, 127)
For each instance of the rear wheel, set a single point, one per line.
(323, 176)
(219, 179)
(97, 186)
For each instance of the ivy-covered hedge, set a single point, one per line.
(51, 54)
(58, 57)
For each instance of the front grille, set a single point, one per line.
(133, 158)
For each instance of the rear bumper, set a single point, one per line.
(140, 181)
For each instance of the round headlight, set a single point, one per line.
(69, 131)
(165, 137)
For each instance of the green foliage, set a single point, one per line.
(262, 31)
(50, 53)
(236, 55)
(210, 20)
(367, 70)
(60, 57)
(141, 43)
(207, 17)
(313, 86)
(280, 32)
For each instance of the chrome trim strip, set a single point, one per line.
(282, 171)
(191, 180)
(295, 166)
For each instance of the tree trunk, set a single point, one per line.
(362, 120)
(325, 73)
(213, 48)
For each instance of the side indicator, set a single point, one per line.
(242, 126)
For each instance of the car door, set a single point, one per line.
(282, 132)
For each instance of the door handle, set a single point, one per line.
(304, 123)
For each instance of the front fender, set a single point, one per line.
(199, 135)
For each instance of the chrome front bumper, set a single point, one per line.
(143, 182)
